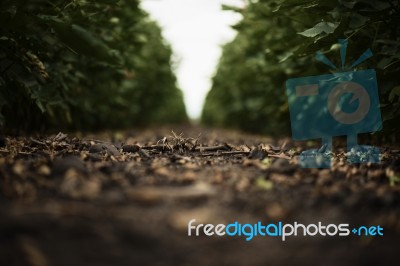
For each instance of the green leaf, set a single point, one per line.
(264, 184)
(377, 5)
(393, 93)
(322, 27)
(40, 105)
(294, 3)
(348, 4)
(109, 1)
(81, 40)
(357, 21)
(231, 8)
(394, 180)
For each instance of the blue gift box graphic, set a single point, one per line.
(342, 103)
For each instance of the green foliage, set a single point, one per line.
(83, 65)
(247, 89)
(278, 39)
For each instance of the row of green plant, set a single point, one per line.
(84, 64)
(278, 39)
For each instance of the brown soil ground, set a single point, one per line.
(126, 199)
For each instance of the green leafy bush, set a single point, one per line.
(83, 65)
(278, 39)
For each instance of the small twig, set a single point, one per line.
(163, 140)
(37, 142)
(214, 148)
(156, 147)
(196, 143)
(60, 136)
(24, 152)
(208, 154)
(283, 156)
(180, 157)
(144, 153)
(97, 141)
(224, 153)
(235, 153)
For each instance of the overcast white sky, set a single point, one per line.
(196, 29)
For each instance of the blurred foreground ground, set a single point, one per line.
(126, 199)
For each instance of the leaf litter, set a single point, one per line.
(136, 194)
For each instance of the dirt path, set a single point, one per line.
(127, 200)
